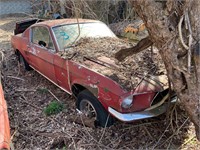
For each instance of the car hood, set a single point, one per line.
(98, 54)
(128, 80)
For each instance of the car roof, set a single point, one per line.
(57, 22)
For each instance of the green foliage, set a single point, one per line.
(53, 108)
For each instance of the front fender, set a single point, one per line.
(91, 87)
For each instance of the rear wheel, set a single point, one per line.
(90, 106)
(24, 62)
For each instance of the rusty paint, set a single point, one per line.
(93, 90)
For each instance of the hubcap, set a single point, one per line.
(88, 109)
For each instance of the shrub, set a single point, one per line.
(53, 108)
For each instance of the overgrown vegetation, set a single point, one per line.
(53, 108)
(108, 11)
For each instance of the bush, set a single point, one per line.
(53, 108)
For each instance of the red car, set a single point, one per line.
(97, 95)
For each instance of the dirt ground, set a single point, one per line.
(28, 93)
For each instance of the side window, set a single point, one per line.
(41, 36)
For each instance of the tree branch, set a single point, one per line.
(141, 45)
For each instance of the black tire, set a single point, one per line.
(102, 118)
(15, 32)
(24, 62)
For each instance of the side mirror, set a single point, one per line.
(42, 43)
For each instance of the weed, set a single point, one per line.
(53, 108)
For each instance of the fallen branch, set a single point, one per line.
(15, 78)
(53, 95)
(177, 131)
(28, 103)
(141, 45)
(25, 90)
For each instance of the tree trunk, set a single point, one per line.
(161, 20)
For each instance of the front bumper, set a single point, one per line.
(128, 117)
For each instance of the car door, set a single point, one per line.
(43, 51)
(64, 37)
(62, 73)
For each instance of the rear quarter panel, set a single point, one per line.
(19, 42)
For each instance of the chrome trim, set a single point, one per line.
(174, 99)
(128, 117)
(55, 39)
(159, 103)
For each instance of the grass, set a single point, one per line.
(53, 108)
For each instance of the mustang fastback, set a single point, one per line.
(77, 56)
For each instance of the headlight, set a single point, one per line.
(127, 102)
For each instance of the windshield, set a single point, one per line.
(67, 35)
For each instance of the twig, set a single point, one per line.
(104, 128)
(171, 116)
(147, 131)
(30, 104)
(190, 40)
(91, 135)
(180, 33)
(79, 30)
(11, 138)
(190, 139)
(138, 125)
(25, 90)
(161, 137)
(168, 147)
(15, 78)
(175, 132)
(2, 56)
(53, 95)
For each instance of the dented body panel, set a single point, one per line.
(65, 73)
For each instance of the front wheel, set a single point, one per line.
(90, 106)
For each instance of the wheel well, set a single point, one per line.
(77, 88)
(17, 52)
